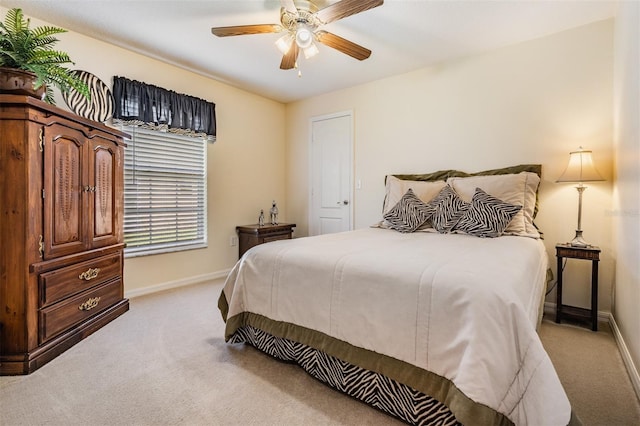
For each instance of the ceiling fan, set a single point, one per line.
(301, 20)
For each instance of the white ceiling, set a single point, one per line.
(403, 35)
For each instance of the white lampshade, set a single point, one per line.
(580, 168)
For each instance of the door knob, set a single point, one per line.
(345, 202)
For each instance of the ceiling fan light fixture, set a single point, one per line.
(311, 51)
(304, 37)
(284, 43)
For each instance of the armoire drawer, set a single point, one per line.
(61, 316)
(64, 282)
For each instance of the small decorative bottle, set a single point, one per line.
(274, 213)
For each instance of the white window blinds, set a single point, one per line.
(165, 192)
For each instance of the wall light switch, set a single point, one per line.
(233, 240)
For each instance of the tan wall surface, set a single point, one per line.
(626, 212)
(533, 102)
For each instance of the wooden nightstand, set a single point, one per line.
(252, 235)
(591, 253)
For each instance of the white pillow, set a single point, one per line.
(519, 189)
(396, 188)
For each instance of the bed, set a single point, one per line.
(431, 327)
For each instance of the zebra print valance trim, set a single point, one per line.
(142, 104)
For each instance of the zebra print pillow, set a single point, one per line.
(409, 213)
(487, 217)
(448, 209)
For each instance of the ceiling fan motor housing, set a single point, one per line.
(291, 20)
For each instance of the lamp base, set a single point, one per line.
(578, 241)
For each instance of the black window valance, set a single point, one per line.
(143, 104)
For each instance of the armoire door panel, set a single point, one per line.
(103, 201)
(64, 205)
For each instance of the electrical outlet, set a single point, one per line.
(233, 240)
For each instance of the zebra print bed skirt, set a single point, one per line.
(374, 389)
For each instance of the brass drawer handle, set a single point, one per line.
(91, 303)
(89, 274)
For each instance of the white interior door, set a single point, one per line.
(331, 173)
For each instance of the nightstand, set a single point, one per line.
(591, 253)
(252, 235)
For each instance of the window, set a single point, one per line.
(165, 192)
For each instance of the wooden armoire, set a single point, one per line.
(61, 231)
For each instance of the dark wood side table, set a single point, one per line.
(591, 253)
(252, 235)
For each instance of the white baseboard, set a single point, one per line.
(626, 356)
(632, 371)
(175, 284)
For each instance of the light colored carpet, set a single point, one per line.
(165, 363)
(592, 372)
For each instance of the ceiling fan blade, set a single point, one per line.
(343, 45)
(246, 29)
(289, 60)
(345, 8)
(289, 6)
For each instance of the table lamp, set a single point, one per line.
(580, 169)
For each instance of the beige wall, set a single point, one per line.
(626, 211)
(529, 103)
(245, 166)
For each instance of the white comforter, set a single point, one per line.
(462, 307)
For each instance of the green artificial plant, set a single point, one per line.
(32, 50)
